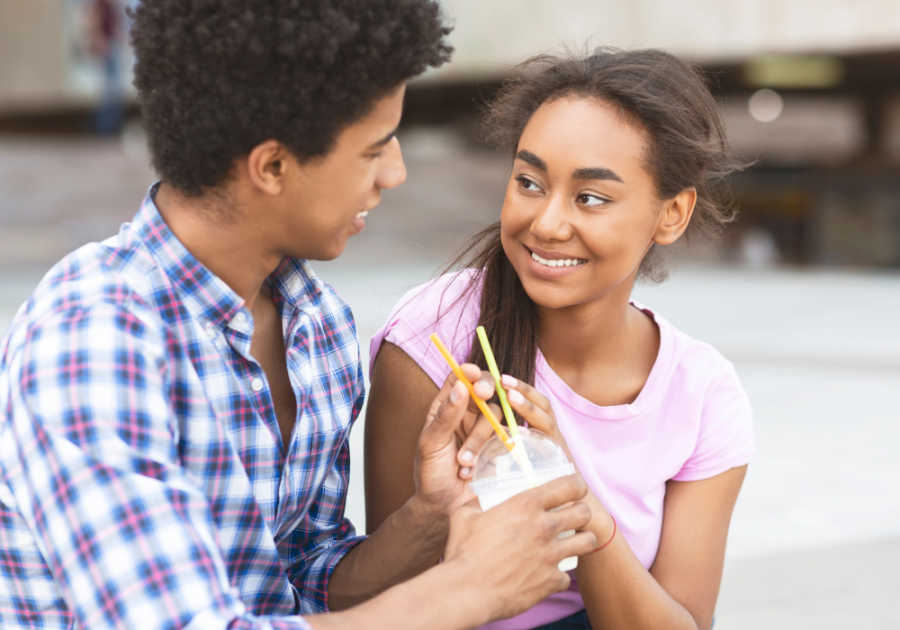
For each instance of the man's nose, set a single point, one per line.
(393, 170)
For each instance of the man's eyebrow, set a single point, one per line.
(385, 140)
(531, 158)
(595, 173)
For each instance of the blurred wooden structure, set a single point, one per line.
(827, 180)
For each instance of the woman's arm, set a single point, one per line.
(691, 553)
(681, 588)
(399, 400)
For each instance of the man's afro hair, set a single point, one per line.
(217, 77)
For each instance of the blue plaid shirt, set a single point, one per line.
(143, 479)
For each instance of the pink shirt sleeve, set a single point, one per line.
(447, 306)
(726, 438)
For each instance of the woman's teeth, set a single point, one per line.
(560, 262)
(362, 215)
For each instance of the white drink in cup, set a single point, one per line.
(497, 475)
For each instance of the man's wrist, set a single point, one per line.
(413, 604)
(426, 519)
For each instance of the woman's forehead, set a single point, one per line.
(575, 133)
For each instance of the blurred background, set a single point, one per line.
(803, 294)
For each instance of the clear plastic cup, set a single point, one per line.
(498, 475)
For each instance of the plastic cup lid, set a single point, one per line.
(520, 479)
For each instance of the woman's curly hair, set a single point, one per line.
(217, 77)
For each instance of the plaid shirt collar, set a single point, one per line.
(206, 296)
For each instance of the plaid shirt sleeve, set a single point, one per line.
(128, 535)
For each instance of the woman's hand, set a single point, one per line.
(533, 406)
(537, 411)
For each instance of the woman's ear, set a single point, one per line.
(675, 217)
(267, 165)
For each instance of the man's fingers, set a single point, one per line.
(480, 433)
(576, 516)
(482, 382)
(560, 491)
(448, 415)
(442, 395)
(580, 544)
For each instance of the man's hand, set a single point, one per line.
(440, 480)
(511, 551)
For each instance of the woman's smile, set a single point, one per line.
(552, 265)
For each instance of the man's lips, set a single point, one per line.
(358, 223)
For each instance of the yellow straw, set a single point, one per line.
(492, 419)
(495, 372)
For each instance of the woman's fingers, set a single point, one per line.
(528, 392)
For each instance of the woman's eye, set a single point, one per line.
(591, 200)
(527, 184)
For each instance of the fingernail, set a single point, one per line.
(464, 471)
(508, 381)
(516, 397)
(467, 456)
(455, 393)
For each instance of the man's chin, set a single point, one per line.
(324, 254)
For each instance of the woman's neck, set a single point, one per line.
(604, 349)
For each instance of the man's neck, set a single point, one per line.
(222, 237)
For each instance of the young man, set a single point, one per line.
(175, 402)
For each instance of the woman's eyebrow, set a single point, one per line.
(530, 158)
(579, 173)
(595, 173)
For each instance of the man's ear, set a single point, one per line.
(675, 217)
(267, 165)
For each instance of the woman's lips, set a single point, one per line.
(543, 270)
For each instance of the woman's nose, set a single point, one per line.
(552, 221)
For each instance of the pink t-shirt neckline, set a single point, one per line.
(645, 399)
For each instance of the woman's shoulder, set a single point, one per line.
(448, 294)
(685, 351)
(715, 408)
(449, 305)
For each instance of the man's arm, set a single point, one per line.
(497, 564)
(93, 463)
(412, 533)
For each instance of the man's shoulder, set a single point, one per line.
(105, 276)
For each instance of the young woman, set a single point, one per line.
(614, 156)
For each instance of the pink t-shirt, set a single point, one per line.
(692, 420)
